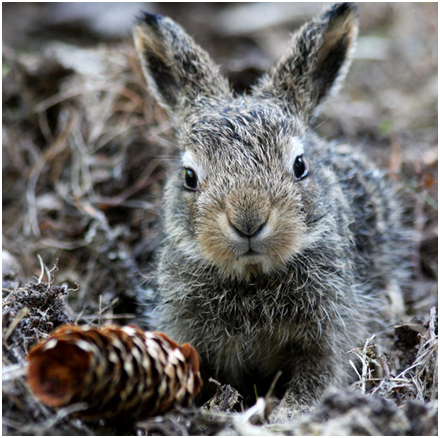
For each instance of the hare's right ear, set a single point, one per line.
(178, 71)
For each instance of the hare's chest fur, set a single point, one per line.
(245, 334)
(246, 330)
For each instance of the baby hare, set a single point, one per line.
(279, 246)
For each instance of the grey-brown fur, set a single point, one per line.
(330, 244)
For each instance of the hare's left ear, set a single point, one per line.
(315, 65)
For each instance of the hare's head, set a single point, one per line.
(242, 197)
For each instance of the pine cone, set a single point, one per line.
(115, 370)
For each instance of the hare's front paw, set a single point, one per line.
(288, 410)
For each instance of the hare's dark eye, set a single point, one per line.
(300, 167)
(190, 180)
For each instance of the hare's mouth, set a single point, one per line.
(259, 243)
(250, 253)
(249, 250)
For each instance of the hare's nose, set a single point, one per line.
(248, 228)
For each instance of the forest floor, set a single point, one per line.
(84, 160)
